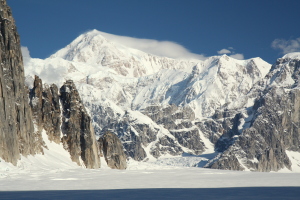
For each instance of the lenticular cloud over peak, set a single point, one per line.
(159, 48)
(224, 51)
(231, 53)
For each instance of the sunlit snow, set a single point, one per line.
(128, 80)
(54, 176)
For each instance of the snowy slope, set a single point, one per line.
(271, 124)
(209, 85)
(35, 180)
(294, 55)
(113, 80)
(95, 50)
(135, 80)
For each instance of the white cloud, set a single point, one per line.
(25, 54)
(160, 48)
(53, 74)
(231, 53)
(286, 46)
(238, 56)
(224, 51)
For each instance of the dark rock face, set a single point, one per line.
(44, 102)
(51, 112)
(78, 133)
(227, 161)
(16, 127)
(255, 138)
(260, 147)
(273, 125)
(36, 101)
(113, 151)
(221, 128)
(137, 134)
(179, 121)
(189, 139)
(170, 114)
(75, 125)
(79, 138)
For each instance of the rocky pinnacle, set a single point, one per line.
(16, 127)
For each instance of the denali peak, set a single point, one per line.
(121, 103)
(156, 105)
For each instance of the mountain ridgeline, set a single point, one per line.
(122, 103)
(242, 111)
(44, 109)
(61, 114)
(273, 123)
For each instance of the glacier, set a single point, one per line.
(159, 107)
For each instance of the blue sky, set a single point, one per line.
(265, 28)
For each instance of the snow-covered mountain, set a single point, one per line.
(135, 80)
(132, 92)
(265, 136)
(159, 106)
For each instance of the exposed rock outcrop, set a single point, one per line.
(78, 133)
(51, 112)
(270, 126)
(73, 121)
(113, 151)
(16, 128)
(167, 130)
(137, 131)
(44, 102)
(180, 122)
(153, 121)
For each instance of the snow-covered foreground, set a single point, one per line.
(164, 183)
(138, 182)
(54, 176)
(84, 179)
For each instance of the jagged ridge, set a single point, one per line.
(160, 106)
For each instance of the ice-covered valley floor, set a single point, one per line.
(54, 176)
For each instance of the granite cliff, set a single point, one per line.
(175, 107)
(29, 113)
(268, 129)
(144, 107)
(113, 151)
(60, 112)
(17, 135)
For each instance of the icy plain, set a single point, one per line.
(118, 71)
(54, 176)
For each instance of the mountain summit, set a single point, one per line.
(123, 104)
(94, 49)
(159, 106)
